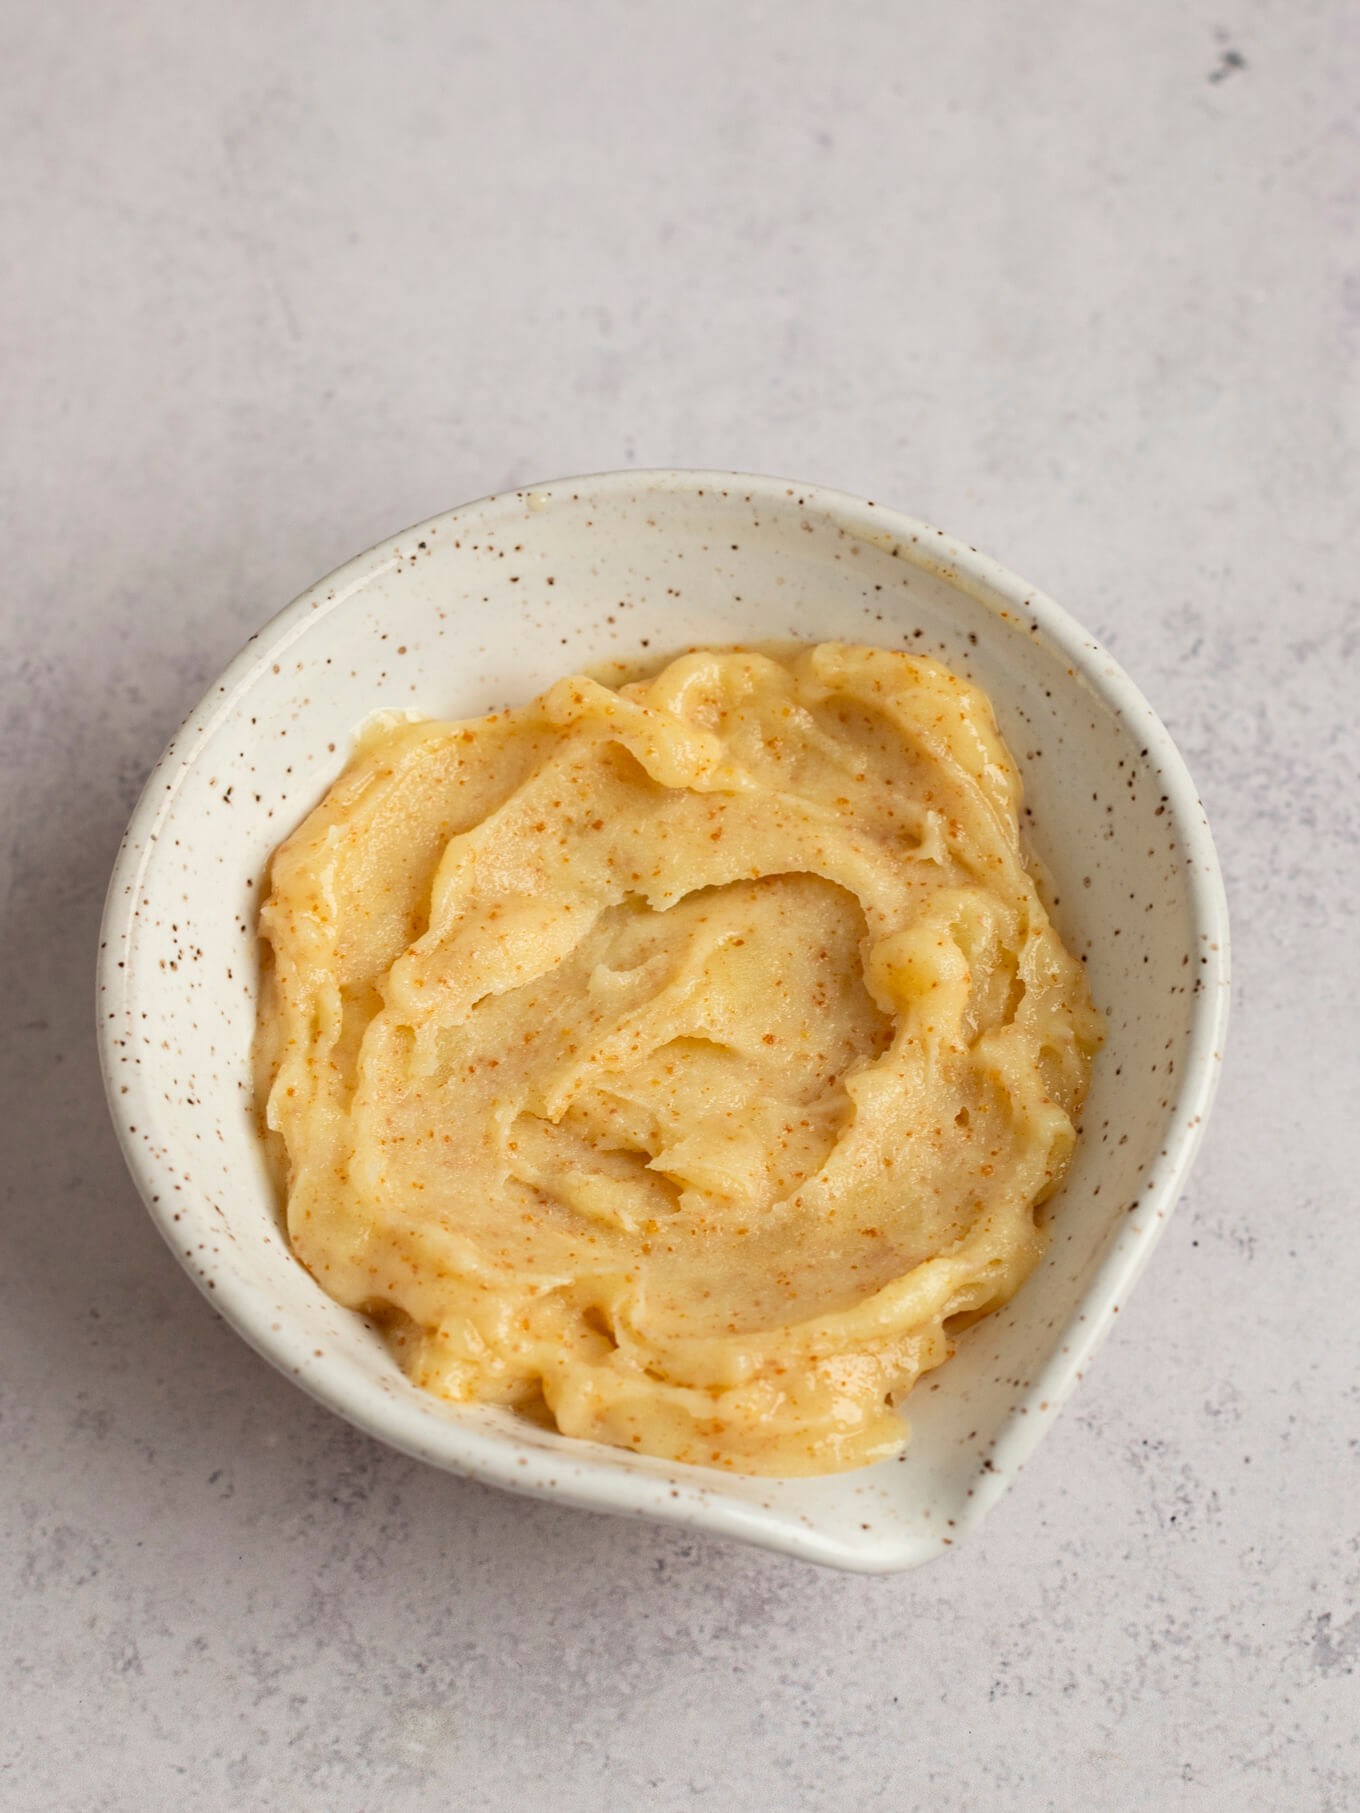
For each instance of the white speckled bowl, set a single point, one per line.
(485, 606)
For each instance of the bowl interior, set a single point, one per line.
(481, 609)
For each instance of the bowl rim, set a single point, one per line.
(689, 1496)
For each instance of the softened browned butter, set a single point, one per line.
(681, 1060)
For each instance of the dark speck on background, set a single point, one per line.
(1229, 62)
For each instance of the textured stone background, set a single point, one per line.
(1081, 284)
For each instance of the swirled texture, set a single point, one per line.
(680, 1061)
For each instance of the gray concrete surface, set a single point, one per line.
(1079, 284)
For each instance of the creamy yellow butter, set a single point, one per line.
(681, 1061)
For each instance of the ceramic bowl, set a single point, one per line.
(483, 607)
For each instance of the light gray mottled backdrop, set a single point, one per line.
(1079, 283)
